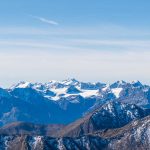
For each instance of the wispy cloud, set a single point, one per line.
(76, 45)
(117, 42)
(44, 20)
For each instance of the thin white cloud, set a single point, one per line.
(44, 20)
(82, 32)
(117, 42)
(81, 45)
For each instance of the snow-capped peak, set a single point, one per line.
(52, 81)
(21, 84)
(70, 82)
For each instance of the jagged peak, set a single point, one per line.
(52, 81)
(70, 81)
(21, 84)
(136, 83)
(118, 84)
(121, 82)
(72, 89)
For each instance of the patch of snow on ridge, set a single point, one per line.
(107, 87)
(148, 134)
(116, 91)
(60, 144)
(37, 141)
(62, 93)
(88, 93)
(59, 91)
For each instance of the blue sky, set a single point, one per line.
(89, 40)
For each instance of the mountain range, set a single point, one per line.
(65, 101)
(75, 115)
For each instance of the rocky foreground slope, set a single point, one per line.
(113, 126)
(133, 136)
